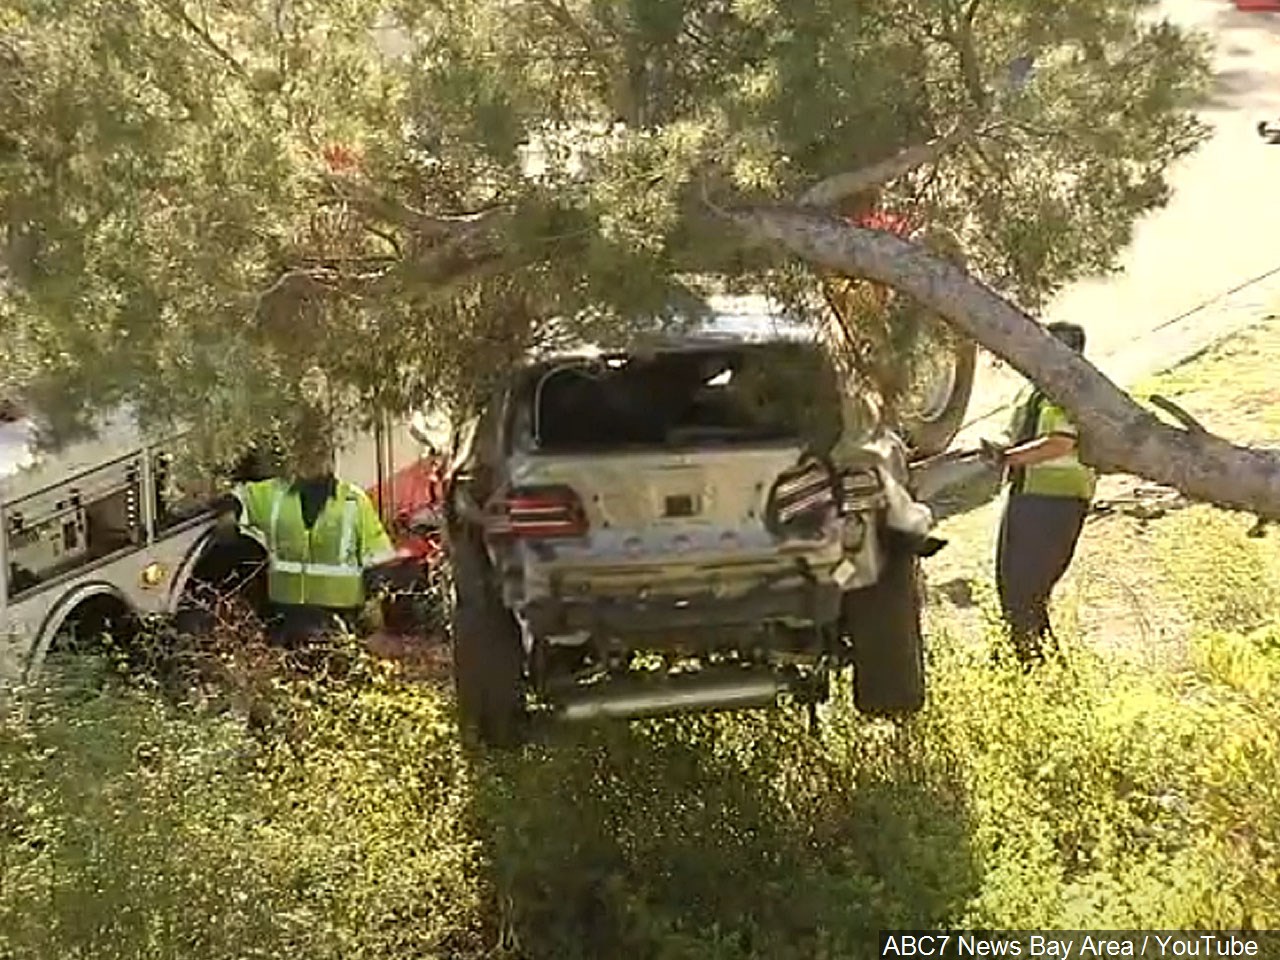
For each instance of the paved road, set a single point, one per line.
(1216, 235)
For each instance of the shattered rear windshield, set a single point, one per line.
(744, 394)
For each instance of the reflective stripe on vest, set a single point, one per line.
(348, 529)
(322, 584)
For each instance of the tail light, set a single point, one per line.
(859, 489)
(538, 513)
(802, 498)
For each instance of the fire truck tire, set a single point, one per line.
(488, 659)
(883, 621)
(232, 572)
(101, 626)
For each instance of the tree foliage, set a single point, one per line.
(201, 201)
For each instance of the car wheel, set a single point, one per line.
(488, 660)
(883, 621)
(936, 413)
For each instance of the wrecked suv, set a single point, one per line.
(703, 524)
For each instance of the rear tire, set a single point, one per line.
(888, 642)
(488, 659)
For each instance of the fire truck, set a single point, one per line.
(97, 534)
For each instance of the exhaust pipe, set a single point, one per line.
(629, 700)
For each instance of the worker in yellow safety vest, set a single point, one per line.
(1050, 492)
(324, 539)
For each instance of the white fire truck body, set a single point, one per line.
(98, 526)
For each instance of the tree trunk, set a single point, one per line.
(1117, 435)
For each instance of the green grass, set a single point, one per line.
(1226, 581)
(1232, 387)
(130, 827)
(344, 821)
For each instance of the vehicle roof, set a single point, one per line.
(734, 321)
(753, 319)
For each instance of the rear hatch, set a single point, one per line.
(680, 458)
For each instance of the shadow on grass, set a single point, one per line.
(734, 837)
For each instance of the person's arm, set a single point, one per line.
(1040, 450)
(229, 510)
(993, 450)
(1058, 439)
(376, 548)
(1008, 435)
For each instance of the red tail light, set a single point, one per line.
(859, 488)
(802, 497)
(539, 513)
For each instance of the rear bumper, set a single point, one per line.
(817, 603)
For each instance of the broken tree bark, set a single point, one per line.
(1117, 435)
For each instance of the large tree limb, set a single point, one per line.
(1117, 434)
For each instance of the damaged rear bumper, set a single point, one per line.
(816, 603)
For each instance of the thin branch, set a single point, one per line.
(299, 280)
(1187, 420)
(387, 237)
(378, 206)
(830, 191)
(562, 16)
(966, 49)
(337, 263)
(179, 13)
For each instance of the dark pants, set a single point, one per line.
(1038, 536)
(294, 625)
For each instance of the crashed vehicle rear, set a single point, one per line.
(704, 524)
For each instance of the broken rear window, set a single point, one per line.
(762, 393)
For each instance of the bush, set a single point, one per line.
(1224, 581)
(321, 820)
(329, 812)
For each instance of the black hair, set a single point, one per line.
(1072, 334)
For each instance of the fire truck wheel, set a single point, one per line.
(488, 662)
(227, 588)
(102, 627)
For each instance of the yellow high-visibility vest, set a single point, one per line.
(1063, 476)
(323, 566)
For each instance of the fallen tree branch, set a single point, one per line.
(1117, 435)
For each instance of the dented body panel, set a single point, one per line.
(694, 523)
